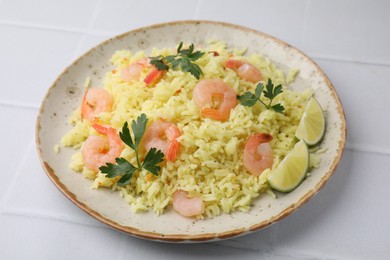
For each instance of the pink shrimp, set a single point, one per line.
(245, 70)
(258, 153)
(188, 207)
(215, 98)
(95, 101)
(163, 136)
(134, 70)
(98, 150)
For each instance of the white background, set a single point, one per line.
(350, 40)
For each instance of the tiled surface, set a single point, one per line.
(283, 18)
(58, 15)
(349, 222)
(133, 14)
(349, 30)
(360, 88)
(348, 219)
(31, 58)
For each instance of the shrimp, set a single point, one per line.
(258, 153)
(245, 70)
(162, 135)
(134, 70)
(187, 207)
(153, 76)
(98, 150)
(215, 98)
(95, 101)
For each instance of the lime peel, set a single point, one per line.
(311, 128)
(291, 170)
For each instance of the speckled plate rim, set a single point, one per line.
(206, 236)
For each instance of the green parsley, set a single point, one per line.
(123, 167)
(249, 99)
(183, 59)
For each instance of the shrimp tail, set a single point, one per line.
(234, 64)
(264, 138)
(258, 139)
(214, 114)
(108, 131)
(100, 128)
(172, 133)
(153, 76)
(173, 151)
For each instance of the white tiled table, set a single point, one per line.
(350, 40)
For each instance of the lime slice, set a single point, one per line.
(311, 128)
(291, 170)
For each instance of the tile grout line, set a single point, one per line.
(18, 105)
(198, 9)
(85, 33)
(304, 26)
(40, 26)
(196, 15)
(347, 60)
(31, 214)
(8, 191)
(94, 15)
(54, 28)
(365, 149)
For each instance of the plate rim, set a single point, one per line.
(205, 236)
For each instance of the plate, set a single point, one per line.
(66, 94)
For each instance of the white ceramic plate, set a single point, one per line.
(66, 94)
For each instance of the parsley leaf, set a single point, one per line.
(278, 108)
(249, 99)
(184, 60)
(139, 128)
(271, 92)
(126, 137)
(159, 63)
(152, 158)
(123, 167)
(125, 179)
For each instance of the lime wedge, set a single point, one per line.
(311, 128)
(291, 170)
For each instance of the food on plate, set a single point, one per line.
(292, 170)
(202, 131)
(311, 129)
(208, 91)
(257, 154)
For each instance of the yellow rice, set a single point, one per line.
(210, 161)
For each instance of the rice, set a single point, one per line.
(209, 164)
